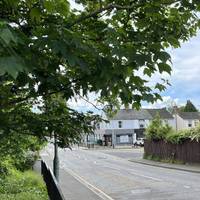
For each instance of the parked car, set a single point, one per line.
(139, 142)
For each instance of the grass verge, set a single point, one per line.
(26, 185)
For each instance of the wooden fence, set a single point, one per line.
(188, 151)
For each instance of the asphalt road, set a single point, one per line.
(128, 154)
(115, 178)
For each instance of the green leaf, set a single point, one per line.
(49, 6)
(11, 65)
(164, 67)
(174, 42)
(160, 87)
(35, 14)
(163, 56)
(7, 36)
(148, 72)
(57, 6)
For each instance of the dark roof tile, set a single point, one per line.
(189, 115)
(130, 114)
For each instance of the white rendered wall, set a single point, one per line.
(172, 123)
(126, 124)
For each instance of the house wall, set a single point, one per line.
(129, 128)
(126, 124)
(183, 123)
(171, 122)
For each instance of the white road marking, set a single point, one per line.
(149, 177)
(140, 191)
(135, 173)
(94, 189)
(113, 168)
(187, 186)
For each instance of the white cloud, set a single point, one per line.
(85, 104)
(166, 102)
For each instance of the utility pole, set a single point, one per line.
(56, 159)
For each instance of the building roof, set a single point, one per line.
(130, 114)
(189, 115)
(164, 114)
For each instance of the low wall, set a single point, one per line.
(188, 151)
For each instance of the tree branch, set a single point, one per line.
(100, 109)
(114, 6)
(102, 9)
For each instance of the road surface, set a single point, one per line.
(113, 177)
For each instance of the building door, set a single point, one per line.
(108, 140)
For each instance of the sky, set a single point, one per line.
(184, 80)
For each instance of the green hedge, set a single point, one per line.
(158, 130)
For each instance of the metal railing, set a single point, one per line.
(53, 188)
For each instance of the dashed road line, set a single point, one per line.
(149, 177)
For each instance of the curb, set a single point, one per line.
(167, 167)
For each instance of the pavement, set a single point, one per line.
(71, 185)
(109, 175)
(194, 168)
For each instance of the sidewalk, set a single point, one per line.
(194, 168)
(71, 188)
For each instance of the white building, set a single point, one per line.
(129, 124)
(186, 120)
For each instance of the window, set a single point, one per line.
(141, 123)
(189, 123)
(98, 126)
(120, 124)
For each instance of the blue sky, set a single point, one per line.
(185, 78)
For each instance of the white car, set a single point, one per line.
(139, 142)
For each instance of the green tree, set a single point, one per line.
(157, 129)
(49, 48)
(189, 107)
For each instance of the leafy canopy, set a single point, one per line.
(49, 48)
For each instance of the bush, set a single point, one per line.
(178, 137)
(20, 150)
(5, 167)
(157, 130)
(22, 186)
(18, 153)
